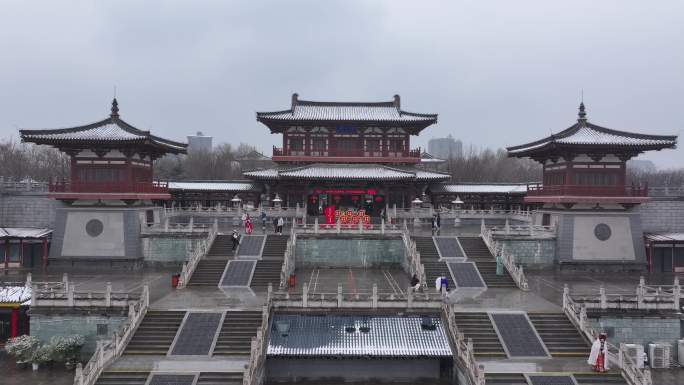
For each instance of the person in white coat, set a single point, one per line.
(598, 358)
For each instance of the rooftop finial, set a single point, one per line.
(397, 101)
(115, 109)
(582, 114)
(295, 99)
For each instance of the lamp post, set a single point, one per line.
(456, 206)
(416, 206)
(277, 201)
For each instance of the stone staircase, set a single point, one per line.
(479, 327)
(559, 334)
(505, 379)
(122, 378)
(268, 268)
(210, 269)
(236, 333)
(429, 257)
(582, 378)
(156, 333)
(427, 248)
(219, 378)
(476, 251)
(611, 378)
(222, 246)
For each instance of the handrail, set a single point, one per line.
(464, 347)
(373, 300)
(108, 351)
(259, 345)
(666, 297)
(288, 266)
(499, 250)
(413, 257)
(577, 313)
(197, 254)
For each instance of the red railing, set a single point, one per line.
(415, 153)
(109, 187)
(584, 190)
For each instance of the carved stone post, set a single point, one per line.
(566, 294)
(108, 295)
(604, 299)
(375, 295)
(339, 296)
(409, 297)
(70, 296)
(305, 293)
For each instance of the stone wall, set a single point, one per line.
(662, 215)
(346, 252)
(93, 324)
(532, 253)
(640, 329)
(167, 250)
(27, 209)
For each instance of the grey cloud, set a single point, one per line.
(498, 72)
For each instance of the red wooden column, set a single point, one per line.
(14, 322)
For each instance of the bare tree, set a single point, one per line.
(19, 161)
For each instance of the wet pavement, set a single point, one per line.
(390, 280)
(10, 374)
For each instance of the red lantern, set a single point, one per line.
(379, 199)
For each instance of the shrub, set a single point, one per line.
(67, 348)
(22, 348)
(43, 354)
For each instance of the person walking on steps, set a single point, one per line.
(249, 226)
(281, 223)
(263, 221)
(236, 239)
(415, 283)
(599, 353)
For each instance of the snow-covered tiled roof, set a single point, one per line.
(341, 335)
(23, 232)
(214, 186)
(303, 110)
(583, 133)
(112, 129)
(426, 157)
(346, 172)
(442, 188)
(15, 295)
(428, 175)
(269, 173)
(343, 171)
(665, 237)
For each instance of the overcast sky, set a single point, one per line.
(498, 73)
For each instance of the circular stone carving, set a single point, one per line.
(94, 227)
(602, 231)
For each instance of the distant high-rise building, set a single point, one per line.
(445, 148)
(199, 142)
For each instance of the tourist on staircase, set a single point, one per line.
(281, 222)
(263, 221)
(415, 283)
(599, 353)
(236, 239)
(249, 226)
